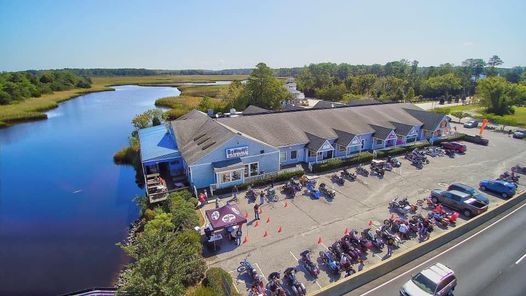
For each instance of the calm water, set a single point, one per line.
(63, 203)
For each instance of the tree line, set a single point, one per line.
(401, 80)
(17, 86)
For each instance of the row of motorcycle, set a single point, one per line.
(275, 284)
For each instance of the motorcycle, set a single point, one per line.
(328, 259)
(450, 153)
(511, 178)
(375, 240)
(271, 194)
(350, 249)
(305, 181)
(440, 219)
(394, 162)
(519, 169)
(296, 286)
(377, 171)
(337, 179)
(310, 266)
(336, 249)
(402, 206)
(362, 171)
(324, 189)
(351, 176)
(258, 284)
(360, 243)
(312, 191)
(289, 190)
(275, 285)
(251, 194)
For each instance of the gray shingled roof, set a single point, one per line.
(251, 109)
(327, 104)
(344, 138)
(287, 128)
(381, 132)
(429, 119)
(401, 128)
(315, 142)
(197, 134)
(361, 102)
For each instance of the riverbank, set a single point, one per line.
(35, 108)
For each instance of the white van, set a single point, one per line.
(437, 279)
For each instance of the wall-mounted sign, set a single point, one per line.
(237, 152)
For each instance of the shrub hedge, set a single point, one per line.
(338, 162)
(280, 177)
(217, 279)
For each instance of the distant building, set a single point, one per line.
(227, 151)
(297, 98)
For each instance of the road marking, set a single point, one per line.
(440, 254)
(296, 258)
(520, 259)
(324, 245)
(237, 281)
(264, 277)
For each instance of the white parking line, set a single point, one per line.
(295, 258)
(440, 254)
(237, 281)
(520, 259)
(264, 277)
(324, 246)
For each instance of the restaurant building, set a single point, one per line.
(227, 151)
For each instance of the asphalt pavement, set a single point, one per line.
(490, 260)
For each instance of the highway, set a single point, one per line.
(489, 260)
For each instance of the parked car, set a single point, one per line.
(455, 146)
(469, 190)
(471, 124)
(476, 139)
(437, 279)
(463, 202)
(519, 134)
(503, 188)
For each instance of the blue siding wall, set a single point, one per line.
(300, 154)
(202, 172)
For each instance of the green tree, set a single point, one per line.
(205, 104)
(442, 85)
(263, 89)
(389, 88)
(332, 92)
(460, 115)
(492, 63)
(409, 97)
(232, 96)
(496, 94)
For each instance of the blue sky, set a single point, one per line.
(47, 34)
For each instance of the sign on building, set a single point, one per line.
(237, 152)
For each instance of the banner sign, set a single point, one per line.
(237, 152)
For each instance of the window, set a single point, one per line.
(252, 169)
(312, 154)
(341, 148)
(363, 144)
(293, 155)
(224, 177)
(235, 176)
(410, 140)
(282, 156)
(231, 176)
(378, 142)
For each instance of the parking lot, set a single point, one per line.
(307, 223)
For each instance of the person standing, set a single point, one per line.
(390, 246)
(234, 192)
(256, 212)
(261, 197)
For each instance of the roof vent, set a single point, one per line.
(207, 145)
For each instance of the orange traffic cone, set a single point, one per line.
(268, 220)
(370, 222)
(346, 231)
(246, 239)
(257, 223)
(279, 229)
(260, 211)
(286, 204)
(319, 240)
(266, 234)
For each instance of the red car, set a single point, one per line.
(454, 146)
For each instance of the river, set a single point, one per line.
(63, 202)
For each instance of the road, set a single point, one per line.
(489, 260)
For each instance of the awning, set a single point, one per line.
(228, 165)
(225, 216)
